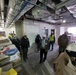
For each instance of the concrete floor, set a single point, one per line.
(33, 67)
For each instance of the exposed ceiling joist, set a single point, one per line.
(64, 3)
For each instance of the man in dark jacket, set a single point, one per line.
(37, 41)
(63, 42)
(16, 42)
(24, 46)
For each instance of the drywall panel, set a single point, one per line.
(57, 33)
(62, 30)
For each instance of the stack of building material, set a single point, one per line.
(5, 62)
(17, 65)
(4, 59)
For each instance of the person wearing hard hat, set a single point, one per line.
(10, 37)
(43, 50)
(65, 64)
(51, 40)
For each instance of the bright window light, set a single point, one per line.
(1, 29)
(10, 11)
(72, 30)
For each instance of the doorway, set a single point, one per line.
(53, 31)
(46, 33)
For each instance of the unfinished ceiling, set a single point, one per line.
(54, 11)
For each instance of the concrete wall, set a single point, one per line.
(19, 28)
(57, 33)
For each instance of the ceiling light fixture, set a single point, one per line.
(64, 21)
(1, 29)
(10, 11)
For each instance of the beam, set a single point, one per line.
(67, 2)
(33, 19)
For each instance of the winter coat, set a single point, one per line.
(16, 42)
(37, 39)
(64, 66)
(63, 40)
(24, 43)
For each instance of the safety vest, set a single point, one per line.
(51, 38)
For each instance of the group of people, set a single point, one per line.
(43, 45)
(65, 63)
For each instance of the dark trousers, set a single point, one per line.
(38, 46)
(52, 44)
(19, 49)
(43, 55)
(24, 53)
(62, 49)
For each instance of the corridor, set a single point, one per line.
(33, 67)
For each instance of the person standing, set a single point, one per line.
(51, 41)
(37, 41)
(25, 44)
(43, 49)
(63, 42)
(16, 42)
